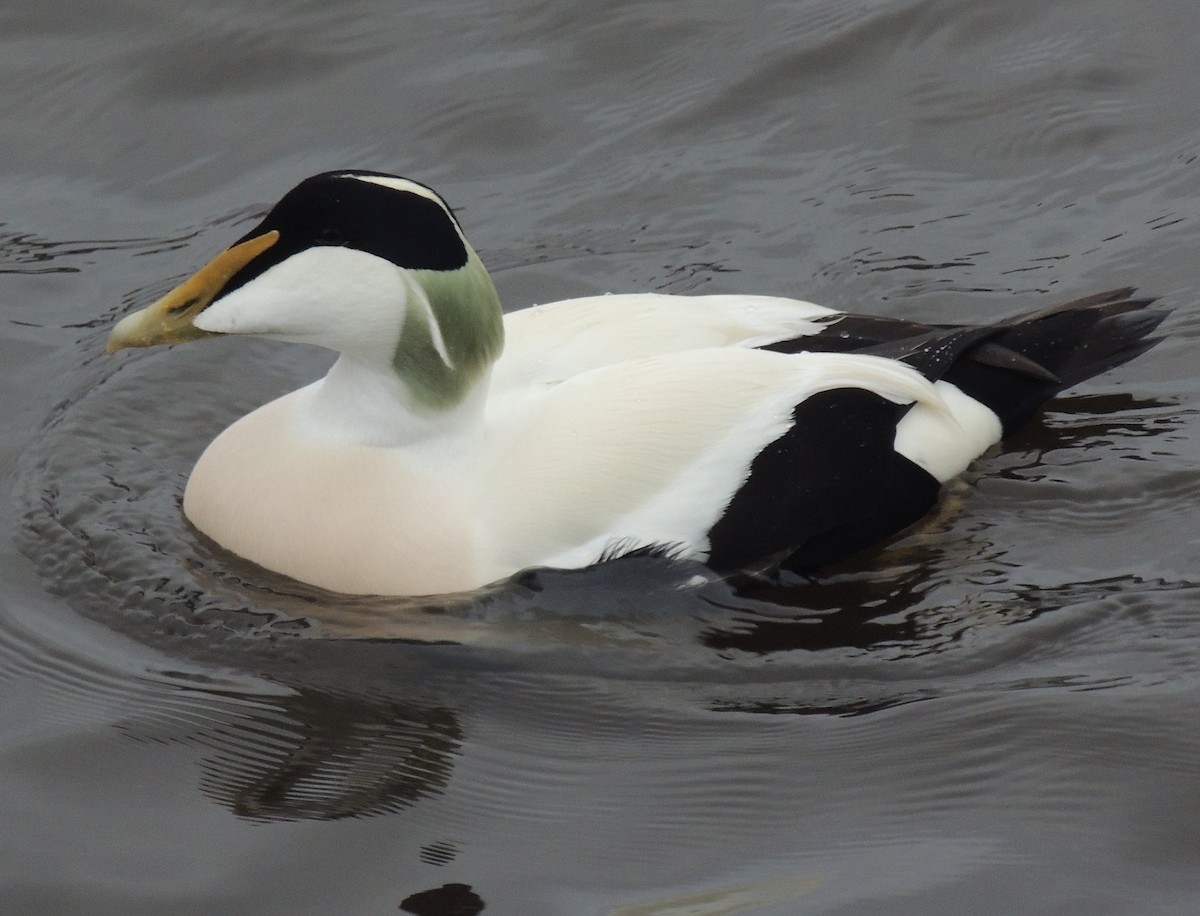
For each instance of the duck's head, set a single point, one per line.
(371, 265)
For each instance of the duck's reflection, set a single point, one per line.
(1085, 420)
(322, 757)
(447, 900)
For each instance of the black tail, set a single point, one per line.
(1027, 360)
(1014, 366)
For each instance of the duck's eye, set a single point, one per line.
(331, 236)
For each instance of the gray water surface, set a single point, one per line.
(996, 713)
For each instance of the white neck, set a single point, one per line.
(357, 404)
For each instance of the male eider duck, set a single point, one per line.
(451, 445)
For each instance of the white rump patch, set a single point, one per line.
(945, 441)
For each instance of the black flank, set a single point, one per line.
(831, 485)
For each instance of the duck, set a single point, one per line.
(451, 446)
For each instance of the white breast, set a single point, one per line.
(349, 518)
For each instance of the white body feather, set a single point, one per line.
(626, 420)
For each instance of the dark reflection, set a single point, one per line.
(855, 706)
(1019, 604)
(835, 612)
(373, 745)
(1028, 602)
(27, 253)
(324, 757)
(868, 611)
(1087, 420)
(447, 900)
(862, 706)
(440, 853)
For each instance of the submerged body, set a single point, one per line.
(449, 447)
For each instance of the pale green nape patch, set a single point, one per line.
(467, 310)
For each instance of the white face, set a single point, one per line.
(340, 298)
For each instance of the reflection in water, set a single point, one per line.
(439, 853)
(29, 253)
(338, 756)
(447, 900)
(848, 611)
(1098, 420)
(311, 753)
